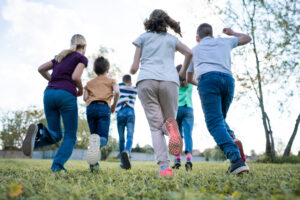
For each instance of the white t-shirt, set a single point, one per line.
(157, 59)
(212, 55)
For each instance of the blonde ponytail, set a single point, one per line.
(77, 42)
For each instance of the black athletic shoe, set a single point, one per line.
(94, 167)
(188, 165)
(177, 164)
(239, 167)
(125, 160)
(29, 141)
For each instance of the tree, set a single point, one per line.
(15, 124)
(274, 28)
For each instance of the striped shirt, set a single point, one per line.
(127, 96)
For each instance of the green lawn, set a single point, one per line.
(206, 181)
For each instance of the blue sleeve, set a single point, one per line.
(232, 42)
(191, 67)
(138, 42)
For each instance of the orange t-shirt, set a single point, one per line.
(100, 88)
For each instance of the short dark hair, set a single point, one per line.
(204, 30)
(101, 65)
(126, 78)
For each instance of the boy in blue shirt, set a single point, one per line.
(126, 118)
(212, 64)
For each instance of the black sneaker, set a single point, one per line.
(239, 167)
(125, 160)
(188, 165)
(177, 164)
(30, 138)
(94, 167)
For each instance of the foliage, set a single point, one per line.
(139, 149)
(14, 126)
(270, 65)
(214, 153)
(206, 181)
(112, 145)
(279, 159)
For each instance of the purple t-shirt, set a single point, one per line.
(61, 77)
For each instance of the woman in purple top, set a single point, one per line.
(60, 101)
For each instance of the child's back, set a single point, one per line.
(100, 89)
(213, 54)
(157, 59)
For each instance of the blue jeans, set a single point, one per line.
(125, 118)
(98, 117)
(59, 104)
(216, 92)
(185, 120)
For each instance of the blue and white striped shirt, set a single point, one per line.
(127, 96)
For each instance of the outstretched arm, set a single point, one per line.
(136, 60)
(243, 38)
(116, 98)
(44, 70)
(188, 54)
(190, 78)
(76, 76)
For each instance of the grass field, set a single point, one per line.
(32, 179)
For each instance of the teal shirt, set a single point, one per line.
(185, 96)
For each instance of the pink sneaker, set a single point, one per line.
(167, 172)
(240, 146)
(175, 141)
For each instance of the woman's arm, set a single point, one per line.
(190, 78)
(188, 54)
(85, 95)
(44, 70)
(76, 76)
(136, 61)
(116, 97)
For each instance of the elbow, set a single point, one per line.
(249, 38)
(133, 69)
(40, 70)
(189, 54)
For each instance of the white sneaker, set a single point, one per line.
(93, 153)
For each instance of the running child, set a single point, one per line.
(185, 121)
(60, 101)
(126, 118)
(98, 93)
(158, 83)
(212, 65)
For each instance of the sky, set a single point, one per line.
(32, 32)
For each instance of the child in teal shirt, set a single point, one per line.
(185, 121)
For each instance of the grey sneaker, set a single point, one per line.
(93, 153)
(239, 167)
(125, 160)
(29, 141)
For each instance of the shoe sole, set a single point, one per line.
(240, 170)
(241, 150)
(93, 153)
(175, 141)
(28, 143)
(176, 166)
(188, 166)
(125, 160)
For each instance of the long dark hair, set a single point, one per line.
(159, 21)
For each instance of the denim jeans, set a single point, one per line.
(98, 117)
(185, 121)
(59, 104)
(125, 118)
(216, 92)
